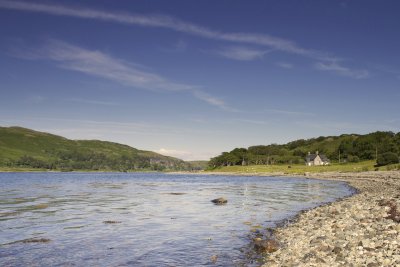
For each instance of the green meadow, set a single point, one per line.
(302, 168)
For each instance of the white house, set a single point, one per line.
(316, 159)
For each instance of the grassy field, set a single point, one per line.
(293, 169)
(301, 169)
(17, 169)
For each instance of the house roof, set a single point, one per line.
(311, 157)
(323, 157)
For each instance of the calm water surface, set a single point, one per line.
(165, 220)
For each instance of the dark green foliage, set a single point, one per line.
(351, 158)
(21, 147)
(349, 147)
(387, 158)
(198, 165)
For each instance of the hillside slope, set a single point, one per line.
(383, 147)
(21, 147)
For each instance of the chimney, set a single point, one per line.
(316, 152)
(309, 153)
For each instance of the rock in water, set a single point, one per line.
(269, 245)
(36, 240)
(214, 259)
(111, 222)
(219, 201)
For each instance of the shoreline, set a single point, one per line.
(353, 231)
(362, 229)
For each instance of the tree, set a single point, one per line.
(241, 153)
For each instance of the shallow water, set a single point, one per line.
(157, 219)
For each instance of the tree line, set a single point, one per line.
(75, 160)
(384, 147)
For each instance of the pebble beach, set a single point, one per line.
(361, 230)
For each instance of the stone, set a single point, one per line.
(214, 258)
(269, 245)
(367, 243)
(324, 248)
(36, 240)
(219, 201)
(308, 256)
(337, 250)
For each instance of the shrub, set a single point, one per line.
(387, 158)
(352, 158)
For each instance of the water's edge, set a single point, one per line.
(268, 231)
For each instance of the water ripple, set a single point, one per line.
(163, 220)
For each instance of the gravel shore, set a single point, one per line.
(362, 230)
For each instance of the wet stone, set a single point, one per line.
(111, 222)
(36, 240)
(269, 245)
(219, 201)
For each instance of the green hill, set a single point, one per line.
(25, 148)
(384, 147)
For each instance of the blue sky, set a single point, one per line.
(194, 78)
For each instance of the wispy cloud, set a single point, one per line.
(290, 113)
(99, 64)
(96, 63)
(172, 23)
(241, 53)
(92, 102)
(212, 100)
(257, 122)
(285, 65)
(162, 21)
(346, 126)
(181, 45)
(342, 70)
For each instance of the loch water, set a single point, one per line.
(146, 219)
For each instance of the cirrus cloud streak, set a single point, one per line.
(175, 24)
(168, 22)
(97, 63)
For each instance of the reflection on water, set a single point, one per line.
(106, 219)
